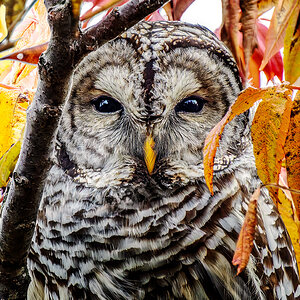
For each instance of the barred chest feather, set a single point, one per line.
(127, 244)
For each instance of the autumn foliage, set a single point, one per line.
(256, 48)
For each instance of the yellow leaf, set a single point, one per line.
(13, 10)
(278, 25)
(292, 152)
(291, 222)
(13, 106)
(3, 28)
(8, 162)
(291, 51)
(269, 130)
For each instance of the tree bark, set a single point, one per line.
(67, 46)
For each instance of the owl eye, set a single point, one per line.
(106, 104)
(192, 104)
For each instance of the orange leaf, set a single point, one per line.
(8, 87)
(245, 241)
(292, 152)
(245, 100)
(269, 130)
(28, 55)
(278, 25)
(169, 11)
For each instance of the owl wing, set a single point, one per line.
(278, 262)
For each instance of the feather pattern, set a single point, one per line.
(107, 229)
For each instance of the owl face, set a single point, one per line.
(164, 80)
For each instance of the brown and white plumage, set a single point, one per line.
(106, 229)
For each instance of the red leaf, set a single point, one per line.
(99, 6)
(29, 55)
(244, 244)
(274, 66)
(155, 16)
(179, 7)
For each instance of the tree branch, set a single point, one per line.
(118, 21)
(66, 48)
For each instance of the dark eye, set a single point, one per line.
(192, 104)
(106, 104)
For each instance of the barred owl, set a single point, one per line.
(108, 226)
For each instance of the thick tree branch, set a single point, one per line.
(66, 48)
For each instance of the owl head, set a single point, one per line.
(170, 81)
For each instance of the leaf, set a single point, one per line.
(292, 152)
(13, 9)
(169, 10)
(8, 87)
(8, 162)
(3, 28)
(291, 49)
(155, 16)
(35, 32)
(99, 6)
(5, 68)
(13, 105)
(245, 100)
(230, 28)
(7, 105)
(28, 55)
(274, 66)
(265, 5)
(291, 222)
(248, 20)
(179, 7)
(269, 130)
(278, 25)
(244, 244)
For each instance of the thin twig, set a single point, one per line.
(281, 187)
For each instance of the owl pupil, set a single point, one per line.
(191, 105)
(105, 104)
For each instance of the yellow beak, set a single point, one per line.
(150, 154)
